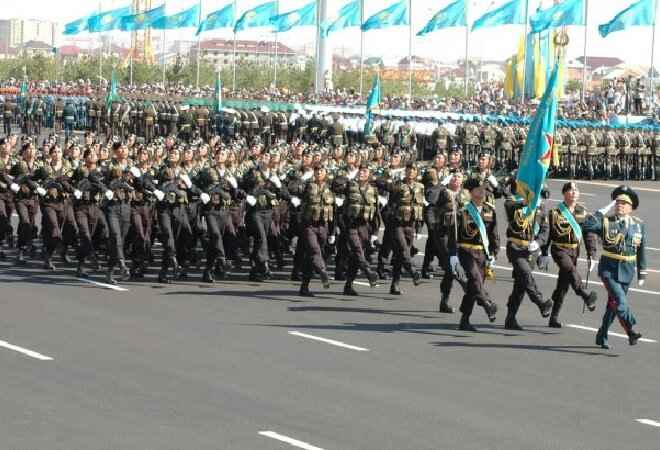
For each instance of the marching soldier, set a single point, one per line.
(526, 233)
(624, 245)
(474, 247)
(566, 223)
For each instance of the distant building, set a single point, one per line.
(220, 52)
(37, 48)
(15, 33)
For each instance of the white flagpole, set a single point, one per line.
(199, 46)
(163, 54)
(410, 56)
(524, 61)
(361, 47)
(277, 11)
(584, 62)
(652, 74)
(467, 49)
(100, 51)
(233, 59)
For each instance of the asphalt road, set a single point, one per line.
(238, 365)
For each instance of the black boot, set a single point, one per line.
(554, 322)
(20, 258)
(80, 272)
(325, 280)
(491, 311)
(255, 275)
(304, 289)
(110, 276)
(295, 275)
(162, 277)
(65, 256)
(48, 263)
(207, 277)
(427, 273)
(382, 273)
(414, 274)
(465, 324)
(510, 323)
(444, 305)
(590, 300)
(394, 288)
(545, 308)
(125, 272)
(633, 337)
(372, 277)
(348, 289)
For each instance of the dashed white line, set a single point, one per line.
(25, 351)
(328, 341)
(103, 285)
(288, 440)
(650, 422)
(582, 327)
(551, 275)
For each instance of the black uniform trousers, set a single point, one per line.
(258, 224)
(474, 265)
(523, 279)
(403, 236)
(92, 227)
(220, 231)
(118, 217)
(176, 231)
(566, 260)
(27, 209)
(357, 238)
(6, 210)
(314, 237)
(141, 226)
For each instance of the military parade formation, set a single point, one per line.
(250, 188)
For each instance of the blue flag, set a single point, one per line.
(393, 15)
(184, 19)
(639, 13)
(298, 18)
(256, 17)
(511, 13)
(372, 102)
(349, 16)
(222, 18)
(568, 12)
(107, 21)
(537, 153)
(453, 15)
(141, 20)
(77, 26)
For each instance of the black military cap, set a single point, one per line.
(484, 152)
(455, 149)
(472, 183)
(626, 194)
(570, 186)
(364, 165)
(411, 165)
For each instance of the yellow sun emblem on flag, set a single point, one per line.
(294, 17)
(140, 18)
(556, 17)
(250, 15)
(384, 16)
(107, 19)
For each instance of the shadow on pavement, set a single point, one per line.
(547, 348)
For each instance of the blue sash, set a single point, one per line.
(476, 218)
(577, 231)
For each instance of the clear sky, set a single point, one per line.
(633, 46)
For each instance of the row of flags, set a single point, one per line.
(512, 12)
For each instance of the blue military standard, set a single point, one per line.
(624, 240)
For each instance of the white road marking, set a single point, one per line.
(25, 351)
(103, 285)
(288, 440)
(551, 275)
(653, 423)
(599, 183)
(582, 327)
(328, 341)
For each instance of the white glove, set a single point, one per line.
(77, 194)
(331, 240)
(232, 182)
(605, 209)
(204, 197)
(373, 239)
(382, 200)
(135, 172)
(251, 200)
(283, 177)
(493, 181)
(453, 263)
(426, 203)
(160, 195)
(640, 283)
(445, 181)
(306, 176)
(41, 191)
(14, 187)
(592, 265)
(276, 181)
(295, 201)
(339, 201)
(533, 246)
(109, 195)
(186, 180)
